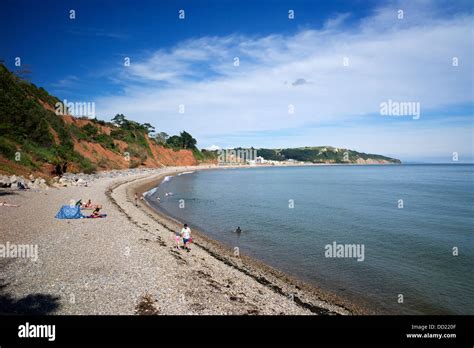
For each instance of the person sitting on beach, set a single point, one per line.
(87, 205)
(5, 204)
(21, 186)
(186, 233)
(96, 213)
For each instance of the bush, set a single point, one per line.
(89, 169)
(7, 149)
(103, 162)
(90, 130)
(106, 140)
(134, 164)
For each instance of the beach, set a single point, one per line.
(126, 263)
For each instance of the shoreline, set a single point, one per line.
(308, 296)
(112, 266)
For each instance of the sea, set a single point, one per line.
(397, 238)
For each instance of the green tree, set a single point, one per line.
(161, 137)
(188, 141)
(175, 142)
(119, 120)
(149, 128)
(182, 141)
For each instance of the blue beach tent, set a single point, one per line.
(68, 212)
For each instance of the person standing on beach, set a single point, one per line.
(177, 239)
(186, 233)
(135, 199)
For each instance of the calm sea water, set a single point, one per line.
(407, 250)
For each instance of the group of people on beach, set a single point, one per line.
(89, 206)
(184, 234)
(158, 199)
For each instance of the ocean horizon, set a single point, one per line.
(409, 227)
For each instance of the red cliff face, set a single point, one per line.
(106, 159)
(102, 157)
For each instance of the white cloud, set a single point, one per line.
(406, 60)
(213, 148)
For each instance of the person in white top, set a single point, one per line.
(186, 233)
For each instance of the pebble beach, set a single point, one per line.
(126, 263)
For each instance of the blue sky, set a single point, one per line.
(334, 64)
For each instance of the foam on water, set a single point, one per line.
(185, 173)
(150, 192)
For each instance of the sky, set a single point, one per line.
(242, 73)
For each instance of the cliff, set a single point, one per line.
(34, 138)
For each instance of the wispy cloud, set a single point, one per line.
(351, 70)
(67, 82)
(98, 32)
(336, 21)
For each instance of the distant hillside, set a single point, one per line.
(33, 138)
(324, 154)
